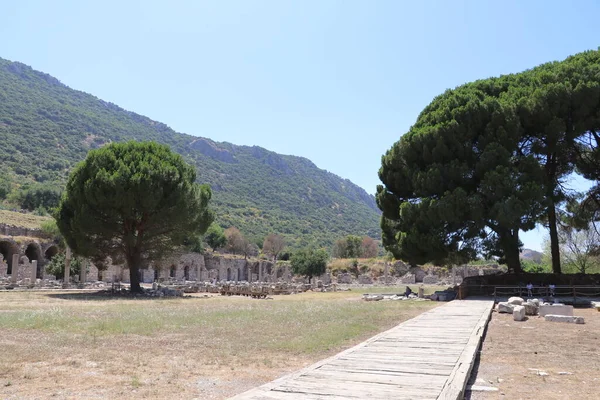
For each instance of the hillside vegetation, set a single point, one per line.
(28, 221)
(46, 128)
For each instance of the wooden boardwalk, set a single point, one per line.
(427, 357)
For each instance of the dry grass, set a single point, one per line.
(78, 346)
(512, 353)
(28, 221)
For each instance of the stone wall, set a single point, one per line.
(11, 230)
(431, 279)
(408, 278)
(193, 266)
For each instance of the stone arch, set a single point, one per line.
(8, 249)
(33, 251)
(51, 252)
(186, 272)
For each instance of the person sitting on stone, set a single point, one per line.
(551, 287)
(529, 289)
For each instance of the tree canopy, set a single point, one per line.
(215, 236)
(133, 200)
(353, 246)
(273, 245)
(488, 159)
(309, 262)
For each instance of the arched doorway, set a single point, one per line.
(172, 271)
(48, 255)
(8, 249)
(229, 275)
(156, 273)
(51, 252)
(33, 252)
(186, 273)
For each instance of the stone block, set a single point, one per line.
(418, 273)
(530, 308)
(365, 280)
(534, 301)
(519, 313)
(564, 318)
(345, 278)
(408, 278)
(517, 301)
(556, 310)
(431, 279)
(505, 307)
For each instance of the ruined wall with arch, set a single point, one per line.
(24, 252)
(33, 254)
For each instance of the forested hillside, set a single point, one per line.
(46, 128)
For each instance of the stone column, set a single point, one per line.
(385, 272)
(260, 272)
(3, 268)
(33, 266)
(15, 269)
(83, 272)
(67, 274)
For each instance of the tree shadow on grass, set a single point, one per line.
(103, 295)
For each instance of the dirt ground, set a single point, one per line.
(535, 359)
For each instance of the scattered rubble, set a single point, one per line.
(505, 307)
(564, 318)
(556, 309)
(519, 313)
(517, 301)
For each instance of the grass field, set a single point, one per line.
(76, 345)
(28, 221)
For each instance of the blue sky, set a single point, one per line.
(337, 82)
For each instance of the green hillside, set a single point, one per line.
(46, 128)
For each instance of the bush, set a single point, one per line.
(42, 197)
(535, 268)
(56, 266)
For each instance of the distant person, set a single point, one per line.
(407, 292)
(551, 287)
(529, 289)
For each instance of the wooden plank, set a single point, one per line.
(357, 391)
(426, 369)
(396, 378)
(455, 386)
(423, 358)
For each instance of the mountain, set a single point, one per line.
(532, 255)
(47, 127)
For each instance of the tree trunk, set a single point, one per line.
(554, 245)
(551, 177)
(133, 262)
(509, 240)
